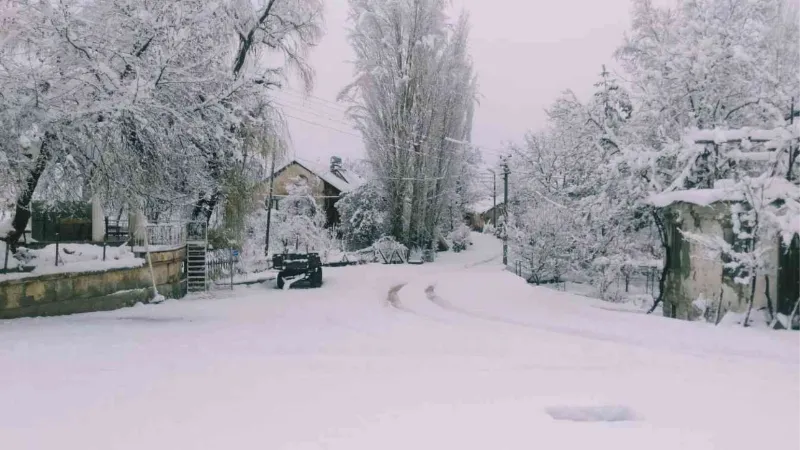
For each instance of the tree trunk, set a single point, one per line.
(769, 298)
(22, 212)
(662, 281)
(750, 301)
(204, 207)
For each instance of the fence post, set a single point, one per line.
(105, 238)
(5, 264)
(57, 246)
(231, 268)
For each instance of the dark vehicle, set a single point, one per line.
(306, 266)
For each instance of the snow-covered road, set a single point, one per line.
(457, 354)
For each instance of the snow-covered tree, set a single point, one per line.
(569, 172)
(703, 65)
(543, 240)
(363, 215)
(141, 101)
(412, 100)
(298, 224)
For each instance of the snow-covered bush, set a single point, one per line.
(605, 272)
(363, 215)
(543, 242)
(489, 229)
(460, 238)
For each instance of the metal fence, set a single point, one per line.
(638, 280)
(223, 264)
(162, 235)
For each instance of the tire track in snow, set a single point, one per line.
(430, 293)
(393, 300)
(482, 262)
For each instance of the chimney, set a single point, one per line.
(336, 164)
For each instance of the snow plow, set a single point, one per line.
(298, 267)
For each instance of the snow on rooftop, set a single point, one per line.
(773, 138)
(726, 191)
(344, 180)
(481, 206)
(700, 197)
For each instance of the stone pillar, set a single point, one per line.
(137, 221)
(98, 220)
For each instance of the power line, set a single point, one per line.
(307, 104)
(314, 99)
(311, 122)
(321, 125)
(426, 155)
(313, 113)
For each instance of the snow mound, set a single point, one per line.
(602, 413)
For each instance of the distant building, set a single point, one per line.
(328, 184)
(481, 213)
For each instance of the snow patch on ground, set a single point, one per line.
(605, 413)
(72, 258)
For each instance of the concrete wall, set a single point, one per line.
(69, 293)
(695, 272)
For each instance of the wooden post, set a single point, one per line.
(57, 245)
(105, 237)
(150, 264)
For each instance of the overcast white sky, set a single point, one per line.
(525, 51)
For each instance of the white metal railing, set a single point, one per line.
(163, 236)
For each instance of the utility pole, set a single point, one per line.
(505, 212)
(494, 198)
(794, 151)
(269, 201)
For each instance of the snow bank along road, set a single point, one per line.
(452, 355)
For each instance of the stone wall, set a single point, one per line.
(69, 293)
(694, 272)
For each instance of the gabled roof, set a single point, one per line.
(342, 179)
(482, 206)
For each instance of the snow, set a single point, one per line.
(726, 190)
(481, 206)
(720, 135)
(700, 197)
(72, 258)
(5, 226)
(603, 413)
(465, 355)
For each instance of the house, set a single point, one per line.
(484, 212)
(695, 273)
(328, 184)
